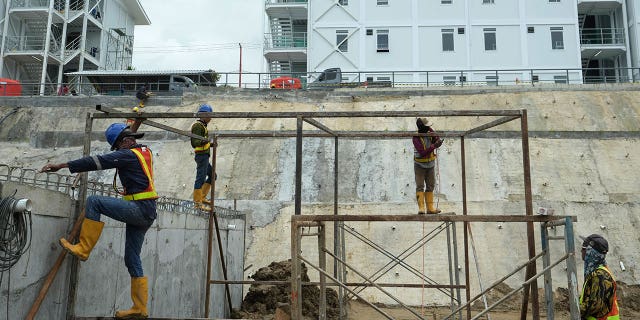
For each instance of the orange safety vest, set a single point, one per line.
(614, 314)
(207, 145)
(419, 158)
(144, 155)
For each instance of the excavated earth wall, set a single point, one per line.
(585, 161)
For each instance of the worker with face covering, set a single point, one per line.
(598, 300)
(424, 159)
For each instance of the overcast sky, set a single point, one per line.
(200, 34)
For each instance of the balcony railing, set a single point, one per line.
(30, 3)
(26, 43)
(285, 40)
(602, 36)
(285, 1)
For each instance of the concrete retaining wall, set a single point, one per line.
(584, 161)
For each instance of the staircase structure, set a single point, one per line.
(603, 41)
(285, 46)
(43, 39)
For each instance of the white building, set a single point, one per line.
(43, 39)
(455, 41)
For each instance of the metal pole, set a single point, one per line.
(572, 279)
(531, 269)
(322, 262)
(546, 261)
(296, 285)
(240, 68)
(298, 196)
(450, 265)
(456, 270)
(465, 227)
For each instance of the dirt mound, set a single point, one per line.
(262, 300)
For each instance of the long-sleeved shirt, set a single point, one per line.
(597, 294)
(130, 171)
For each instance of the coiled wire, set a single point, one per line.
(15, 233)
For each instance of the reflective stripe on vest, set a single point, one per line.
(614, 314)
(419, 158)
(207, 145)
(145, 158)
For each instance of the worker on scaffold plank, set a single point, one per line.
(137, 208)
(424, 159)
(202, 184)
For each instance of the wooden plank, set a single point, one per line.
(447, 217)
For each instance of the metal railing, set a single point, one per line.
(283, 40)
(366, 79)
(602, 36)
(29, 3)
(284, 1)
(68, 185)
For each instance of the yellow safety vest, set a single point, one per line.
(145, 157)
(207, 145)
(419, 158)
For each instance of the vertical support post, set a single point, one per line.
(466, 227)
(82, 198)
(528, 198)
(322, 263)
(572, 278)
(546, 261)
(296, 284)
(455, 270)
(450, 259)
(336, 242)
(298, 196)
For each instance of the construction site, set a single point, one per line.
(314, 210)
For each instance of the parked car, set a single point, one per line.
(10, 87)
(285, 82)
(332, 78)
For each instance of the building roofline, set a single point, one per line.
(134, 7)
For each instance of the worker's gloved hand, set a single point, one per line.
(438, 143)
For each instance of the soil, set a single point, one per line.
(265, 301)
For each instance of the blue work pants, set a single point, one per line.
(203, 170)
(137, 224)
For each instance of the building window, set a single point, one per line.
(382, 40)
(489, 39)
(560, 79)
(343, 2)
(383, 2)
(531, 29)
(557, 39)
(487, 2)
(447, 40)
(535, 78)
(446, 1)
(341, 40)
(554, 0)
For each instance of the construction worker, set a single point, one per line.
(202, 184)
(423, 165)
(598, 300)
(137, 208)
(142, 94)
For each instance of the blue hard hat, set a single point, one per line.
(205, 108)
(117, 131)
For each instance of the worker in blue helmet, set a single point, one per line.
(201, 148)
(137, 208)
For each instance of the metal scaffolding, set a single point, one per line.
(447, 222)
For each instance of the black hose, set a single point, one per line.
(15, 233)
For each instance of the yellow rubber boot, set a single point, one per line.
(139, 297)
(206, 187)
(421, 203)
(89, 235)
(197, 200)
(430, 207)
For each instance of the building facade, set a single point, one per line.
(456, 41)
(43, 39)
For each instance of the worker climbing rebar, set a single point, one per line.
(424, 159)
(137, 208)
(202, 184)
